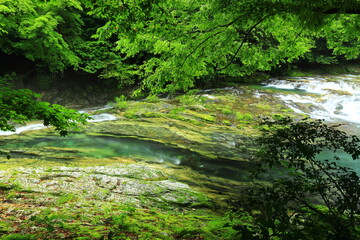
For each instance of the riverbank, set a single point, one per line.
(78, 90)
(76, 195)
(70, 191)
(129, 201)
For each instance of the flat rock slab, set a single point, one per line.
(136, 184)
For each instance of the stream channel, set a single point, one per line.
(333, 98)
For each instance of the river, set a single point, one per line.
(333, 98)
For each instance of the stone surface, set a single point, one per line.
(211, 141)
(134, 183)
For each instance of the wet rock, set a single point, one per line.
(134, 183)
(211, 141)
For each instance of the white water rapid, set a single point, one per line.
(333, 98)
(95, 118)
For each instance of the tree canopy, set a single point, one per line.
(170, 45)
(166, 46)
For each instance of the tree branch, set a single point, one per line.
(243, 42)
(205, 40)
(212, 29)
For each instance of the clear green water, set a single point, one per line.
(345, 159)
(98, 147)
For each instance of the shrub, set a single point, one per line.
(287, 206)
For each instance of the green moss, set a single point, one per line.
(189, 99)
(151, 114)
(121, 102)
(288, 110)
(280, 116)
(131, 114)
(89, 218)
(264, 106)
(153, 99)
(185, 119)
(121, 105)
(178, 117)
(240, 126)
(244, 116)
(226, 122)
(177, 110)
(17, 236)
(202, 116)
(7, 186)
(65, 198)
(226, 111)
(11, 195)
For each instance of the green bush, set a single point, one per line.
(286, 206)
(8, 80)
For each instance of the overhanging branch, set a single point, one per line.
(243, 41)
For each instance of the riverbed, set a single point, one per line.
(218, 144)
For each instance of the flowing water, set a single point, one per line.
(36, 126)
(101, 147)
(336, 99)
(104, 147)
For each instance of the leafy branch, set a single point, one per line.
(243, 42)
(293, 149)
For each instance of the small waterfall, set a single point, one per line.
(330, 98)
(102, 117)
(95, 118)
(18, 130)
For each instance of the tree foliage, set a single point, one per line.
(170, 45)
(19, 106)
(43, 31)
(312, 198)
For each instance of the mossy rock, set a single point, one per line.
(133, 183)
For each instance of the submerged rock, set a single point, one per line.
(210, 140)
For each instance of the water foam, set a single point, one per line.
(36, 126)
(330, 98)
